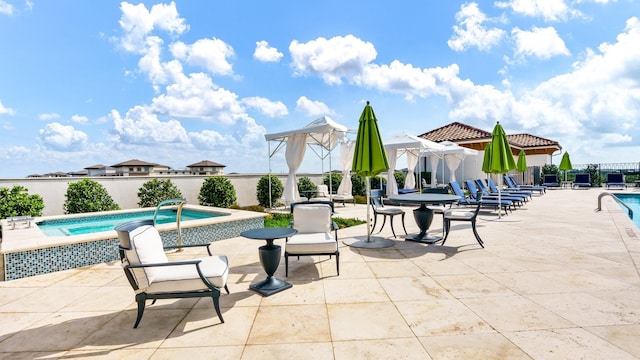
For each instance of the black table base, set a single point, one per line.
(423, 216)
(270, 259)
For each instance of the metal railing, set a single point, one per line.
(603, 194)
(180, 203)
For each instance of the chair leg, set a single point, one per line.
(226, 288)
(384, 221)
(140, 299)
(375, 221)
(403, 227)
(447, 226)
(391, 224)
(338, 263)
(475, 232)
(216, 305)
(286, 265)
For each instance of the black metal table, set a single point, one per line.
(424, 215)
(269, 258)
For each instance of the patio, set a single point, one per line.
(557, 280)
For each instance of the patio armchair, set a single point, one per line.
(582, 180)
(551, 180)
(616, 179)
(380, 209)
(152, 276)
(314, 224)
(322, 193)
(462, 215)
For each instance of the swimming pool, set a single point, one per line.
(633, 202)
(107, 222)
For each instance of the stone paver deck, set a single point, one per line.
(557, 280)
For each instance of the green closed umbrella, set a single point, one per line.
(486, 163)
(369, 159)
(501, 159)
(565, 164)
(521, 165)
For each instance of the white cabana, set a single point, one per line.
(411, 146)
(454, 154)
(320, 135)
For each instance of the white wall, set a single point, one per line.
(124, 189)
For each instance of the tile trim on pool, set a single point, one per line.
(82, 250)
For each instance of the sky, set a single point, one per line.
(173, 83)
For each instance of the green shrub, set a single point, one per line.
(262, 192)
(305, 184)
(155, 191)
(399, 177)
(17, 202)
(377, 182)
(336, 178)
(358, 185)
(88, 195)
(217, 191)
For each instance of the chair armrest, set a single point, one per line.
(179, 263)
(190, 246)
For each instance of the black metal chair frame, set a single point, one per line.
(472, 219)
(378, 208)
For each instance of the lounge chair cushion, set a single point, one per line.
(311, 218)
(185, 277)
(311, 243)
(145, 248)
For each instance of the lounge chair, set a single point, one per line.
(473, 190)
(464, 200)
(512, 184)
(551, 180)
(616, 179)
(582, 181)
(525, 194)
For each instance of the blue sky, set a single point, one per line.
(101, 82)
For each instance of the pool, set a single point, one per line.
(633, 202)
(107, 222)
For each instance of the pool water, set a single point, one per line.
(99, 223)
(632, 201)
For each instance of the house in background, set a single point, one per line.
(100, 170)
(538, 150)
(137, 167)
(206, 167)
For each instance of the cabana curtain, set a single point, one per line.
(296, 145)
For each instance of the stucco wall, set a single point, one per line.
(124, 189)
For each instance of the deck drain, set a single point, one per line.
(630, 233)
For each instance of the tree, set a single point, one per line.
(217, 191)
(262, 192)
(17, 202)
(155, 191)
(88, 195)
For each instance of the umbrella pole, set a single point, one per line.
(499, 199)
(368, 190)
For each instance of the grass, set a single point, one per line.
(283, 220)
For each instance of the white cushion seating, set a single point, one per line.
(459, 214)
(186, 278)
(302, 243)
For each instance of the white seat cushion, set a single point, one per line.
(146, 248)
(458, 214)
(185, 277)
(302, 243)
(437, 208)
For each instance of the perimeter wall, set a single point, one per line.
(124, 189)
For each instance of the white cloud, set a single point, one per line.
(63, 138)
(6, 8)
(266, 53)
(312, 108)
(332, 59)
(210, 54)
(139, 126)
(270, 108)
(471, 32)
(5, 110)
(48, 116)
(543, 43)
(549, 10)
(79, 119)
(138, 22)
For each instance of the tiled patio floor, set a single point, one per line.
(557, 280)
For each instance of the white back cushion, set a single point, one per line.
(312, 218)
(146, 248)
(322, 190)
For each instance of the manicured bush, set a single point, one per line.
(17, 202)
(217, 191)
(305, 184)
(358, 185)
(262, 192)
(400, 177)
(88, 195)
(336, 178)
(155, 191)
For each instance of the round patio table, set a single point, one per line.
(269, 258)
(423, 215)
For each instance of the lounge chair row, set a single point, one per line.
(584, 180)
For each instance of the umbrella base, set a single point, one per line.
(374, 242)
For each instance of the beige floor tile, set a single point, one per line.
(204, 352)
(302, 292)
(14, 322)
(562, 344)
(472, 285)
(56, 299)
(404, 348)
(366, 321)
(124, 354)
(290, 324)
(307, 351)
(354, 291)
(443, 265)
(10, 294)
(92, 277)
(413, 288)
(624, 336)
(30, 355)
(388, 269)
(348, 270)
(113, 298)
(202, 328)
(441, 317)
(472, 346)
(515, 313)
(583, 309)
